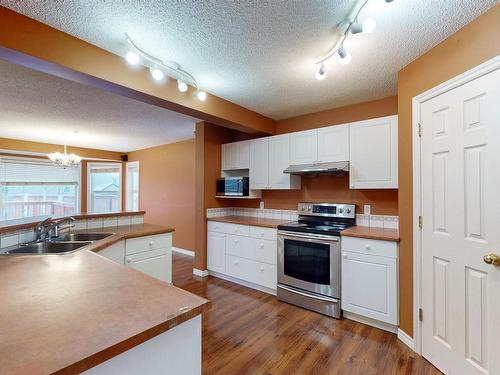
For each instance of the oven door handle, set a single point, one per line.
(310, 237)
(326, 299)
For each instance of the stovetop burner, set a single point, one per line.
(333, 229)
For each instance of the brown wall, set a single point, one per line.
(469, 47)
(167, 188)
(75, 59)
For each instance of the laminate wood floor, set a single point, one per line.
(249, 332)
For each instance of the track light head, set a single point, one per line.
(345, 57)
(201, 95)
(182, 86)
(157, 74)
(132, 58)
(321, 72)
(369, 25)
(356, 28)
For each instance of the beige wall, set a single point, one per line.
(469, 47)
(167, 188)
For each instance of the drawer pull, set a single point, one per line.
(236, 262)
(344, 255)
(261, 269)
(235, 241)
(368, 247)
(261, 245)
(151, 243)
(129, 260)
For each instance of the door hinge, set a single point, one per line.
(420, 222)
(420, 129)
(420, 315)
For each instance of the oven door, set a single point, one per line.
(310, 262)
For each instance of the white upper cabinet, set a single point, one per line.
(269, 157)
(235, 155)
(374, 153)
(304, 147)
(259, 163)
(333, 143)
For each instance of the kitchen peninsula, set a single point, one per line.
(83, 313)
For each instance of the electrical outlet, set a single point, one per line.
(261, 205)
(367, 209)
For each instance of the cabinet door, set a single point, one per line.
(216, 249)
(279, 160)
(369, 286)
(155, 263)
(115, 252)
(224, 155)
(242, 155)
(259, 163)
(374, 154)
(333, 143)
(303, 147)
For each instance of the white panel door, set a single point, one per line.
(279, 160)
(333, 143)
(460, 182)
(304, 147)
(242, 155)
(216, 252)
(374, 153)
(259, 163)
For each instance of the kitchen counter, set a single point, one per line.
(384, 234)
(247, 220)
(67, 313)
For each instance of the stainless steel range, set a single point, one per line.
(309, 256)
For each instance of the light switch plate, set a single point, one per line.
(367, 209)
(261, 205)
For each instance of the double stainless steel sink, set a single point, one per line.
(60, 245)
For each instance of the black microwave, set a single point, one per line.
(233, 186)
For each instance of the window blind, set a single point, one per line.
(16, 170)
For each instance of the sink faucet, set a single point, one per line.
(50, 227)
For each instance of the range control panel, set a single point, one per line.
(327, 210)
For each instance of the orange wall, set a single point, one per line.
(472, 45)
(167, 188)
(80, 61)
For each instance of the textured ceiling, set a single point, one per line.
(261, 54)
(39, 107)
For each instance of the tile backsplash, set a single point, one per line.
(26, 235)
(378, 221)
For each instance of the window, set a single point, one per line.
(34, 187)
(133, 186)
(104, 182)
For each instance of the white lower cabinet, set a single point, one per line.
(115, 252)
(370, 279)
(243, 253)
(151, 255)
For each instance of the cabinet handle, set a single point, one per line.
(236, 262)
(235, 241)
(129, 260)
(344, 255)
(261, 269)
(368, 247)
(151, 243)
(261, 245)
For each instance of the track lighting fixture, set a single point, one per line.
(321, 72)
(160, 68)
(182, 86)
(349, 26)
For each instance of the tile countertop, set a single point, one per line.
(247, 220)
(68, 313)
(384, 234)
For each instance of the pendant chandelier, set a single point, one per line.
(64, 160)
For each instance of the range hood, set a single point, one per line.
(339, 168)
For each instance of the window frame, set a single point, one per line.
(92, 165)
(128, 185)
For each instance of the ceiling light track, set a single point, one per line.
(159, 68)
(349, 26)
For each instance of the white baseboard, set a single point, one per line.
(243, 282)
(406, 339)
(183, 251)
(371, 322)
(200, 273)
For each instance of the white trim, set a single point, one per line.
(89, 183)
(182, 251)
(405, 339)
(243, 282)
(470, 75)
(200, 273)
(42, 154)
(128, 184)
(371, 322)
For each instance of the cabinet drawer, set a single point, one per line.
(370, 247)
(249, 270)
(115, 252)
(140, 244)
(242, 230)
(252, 248)
(264, 233)
(155, 263)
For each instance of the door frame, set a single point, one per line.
(459, 80)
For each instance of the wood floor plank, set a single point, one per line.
(249, 332)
